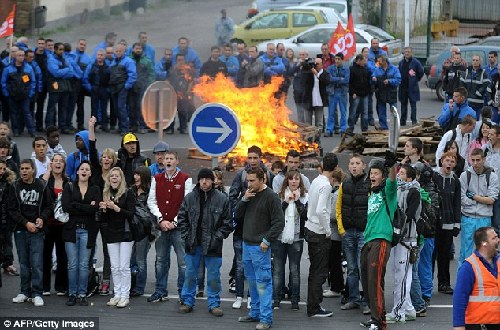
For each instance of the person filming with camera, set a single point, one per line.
(302, 80)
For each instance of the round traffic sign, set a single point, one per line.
(159, 105)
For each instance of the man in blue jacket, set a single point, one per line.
(273, 65)
(96, 81)
(232, 63)
(190, 55)
(386, 79)
(18, 85)
(338, 90)
(122, 78)
(455, 110)
(59, 87)
(162, 67)
(82, 60)
(411, 72)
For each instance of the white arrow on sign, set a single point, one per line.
(224, 130)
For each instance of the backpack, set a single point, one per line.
(487, 170)
(426, 224)
(398, 221)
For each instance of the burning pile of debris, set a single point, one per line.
(375, 143)
(264, 119)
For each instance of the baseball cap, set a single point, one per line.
(161, 146)
(129, 137)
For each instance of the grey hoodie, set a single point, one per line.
(471, 208)
(410, 202)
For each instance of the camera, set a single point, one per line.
(308, 64)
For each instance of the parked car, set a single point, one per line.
(282, 23)
(312, 39)
(340, 6)
(434, 65)
(490, 41)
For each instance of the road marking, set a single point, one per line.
(223, 299)
(440, 306)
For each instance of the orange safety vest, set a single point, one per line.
(484, 300)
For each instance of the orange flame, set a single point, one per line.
(264, 119)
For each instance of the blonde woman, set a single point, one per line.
(117, 208)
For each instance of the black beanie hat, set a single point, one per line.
(206, 173)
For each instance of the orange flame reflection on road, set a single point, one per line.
(264, 119)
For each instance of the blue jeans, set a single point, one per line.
(30, 253)
(163, 246)
(214, 286)
(239, 275)
(415, 290)
(120, 103)
(140, 261)
(21, 110)
(405, 98)
(495, 219)
(99, 105)
(425, 268)
(61, 100)
(78, 263)
(353, 243)
(382, 113)
(339, 99)
(280, 252)
(257, 266)
(468, 227)
(358, 107)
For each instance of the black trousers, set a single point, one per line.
(53, 237)
(442, 246)
(335, 276)
(40, 102)
(319, 248)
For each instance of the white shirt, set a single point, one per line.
(320, 206)
(316, 95)
(463, 142)
(41, 167)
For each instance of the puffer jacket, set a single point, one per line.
(215, 223)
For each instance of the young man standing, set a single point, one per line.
(479, 190)
(263, 222)
(492, 152)
(30, 205)
(292, 162)
(165, 197)
(130, 157)
(413, 152)
(448, 186)
(317, 234)
(39, 156)
(378, 238)
(337, 90)
(160, 150)
(462, 134)
(204, 221)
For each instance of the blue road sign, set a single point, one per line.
(214, 129)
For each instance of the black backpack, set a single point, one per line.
(426, 224)
(398, 221)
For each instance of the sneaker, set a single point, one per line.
(421, 313)
(370, 324)
(248, 303)
(391, 319)
(38, 301)
(295, 306)
(156, 297)
(61, 293)
(232, 288)
(411, 316)
(83, 301)
(331, 294)
(20, 298)
(46, 293)
(247, 319)
(135, 293)
(199, 294)
(276, 305)
(185, 309)
(217, 311)
(445, 288)
(349, 306)
(262, 326)
(123, 302)
(113, 301)
(11, 270)
(321, 313)
(71, 301)
(427, 301)
(104, 289)
(366, 310)
(237, 303)
(374, 327)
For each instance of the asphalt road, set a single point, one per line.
(165, 23)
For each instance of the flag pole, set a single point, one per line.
(12, 35)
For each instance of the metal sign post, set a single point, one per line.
(159, 106)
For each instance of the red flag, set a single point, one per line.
(344, 40)
(7, 28)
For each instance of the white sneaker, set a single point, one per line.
(113, 301)
(237, 303)
(38, 301)
(331, 294)
(20, 298)
(46, 293)
(248, 303)
(123, 303)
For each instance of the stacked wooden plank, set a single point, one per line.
(375, 143)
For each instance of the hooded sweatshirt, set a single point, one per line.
(74, 159)
(409, 202)
(478, 185)
(448, 187)
(129, 164)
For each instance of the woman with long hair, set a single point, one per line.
(139, 260)
(117, 209)
(290, 243)
(80, 200)
(56, 178)
(100, 170)
(482, 138)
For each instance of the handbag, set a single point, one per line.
(59, 213)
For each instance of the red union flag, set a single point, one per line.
(344, 40)
(7, 27)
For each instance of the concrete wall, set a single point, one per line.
(57, 9)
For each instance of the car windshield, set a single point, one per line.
(378, 33)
